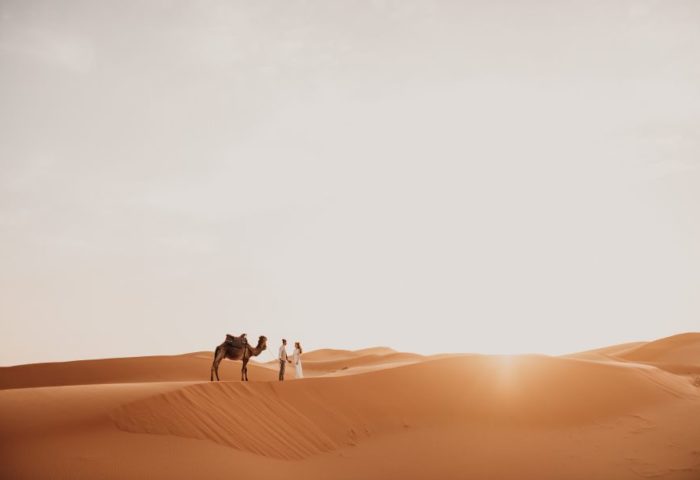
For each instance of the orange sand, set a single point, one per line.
(624, 412)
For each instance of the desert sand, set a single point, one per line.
(622, 412)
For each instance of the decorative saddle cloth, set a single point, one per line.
(238, 342)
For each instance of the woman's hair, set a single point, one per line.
(298, 345)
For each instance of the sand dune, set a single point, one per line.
(325, 414)
(325, 362)
(683, 349)
(173, 368)
(605, 352)
(595, 415)
(330, 354)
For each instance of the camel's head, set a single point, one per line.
(262, 342)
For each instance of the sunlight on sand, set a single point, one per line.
(505, 372)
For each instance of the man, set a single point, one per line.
(283, 358)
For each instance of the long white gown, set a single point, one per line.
(296, 359)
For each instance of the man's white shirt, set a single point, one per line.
(283, 353)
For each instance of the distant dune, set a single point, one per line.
(677, 353)
(605, 352)
(343, 362)
(171, 368)
(611, 413)
(330, 354)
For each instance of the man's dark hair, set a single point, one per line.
(284, 340)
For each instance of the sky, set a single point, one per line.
(433, 176)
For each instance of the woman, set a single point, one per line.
(296, 359)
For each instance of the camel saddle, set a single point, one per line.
(236, 342)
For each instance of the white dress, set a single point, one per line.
(296, 359)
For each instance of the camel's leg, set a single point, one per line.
(244, 370)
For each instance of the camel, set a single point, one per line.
(236, 348)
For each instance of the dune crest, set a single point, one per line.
(166, 368)
(683, 349)
(330, 354)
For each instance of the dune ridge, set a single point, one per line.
(360, 363)
(165, 368)
(250, 417)
(330, 354)
(682, 349)
(193, 366)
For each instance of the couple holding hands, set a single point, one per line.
(296, 359)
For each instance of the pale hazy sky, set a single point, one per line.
(434, 176)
